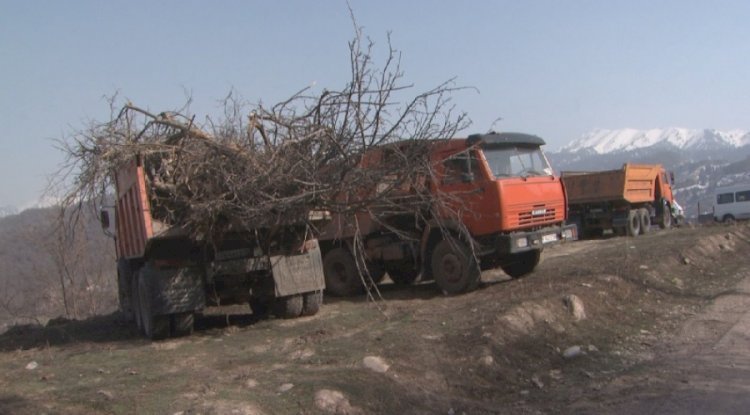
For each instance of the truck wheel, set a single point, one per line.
(403, 274)
(728, 219)
(634, 223)
(522, 263)
(289, 306)
(454, 267)
(155, 327)
(341, 274)
(645, 218)
(182, 323)
(666, 218)
(312, 302)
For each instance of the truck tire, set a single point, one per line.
(155, 327)
(341, 274)
(454, 267)
(728, 219)
(522, 263)
(403, 275)
(645, 217)
(182, 323)
(634, 223)
(666, 217)
(289, 306)
(312, 302)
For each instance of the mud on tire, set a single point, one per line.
(288, 307)
(312, 302)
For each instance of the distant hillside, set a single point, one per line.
(700, 159)
(36, 260)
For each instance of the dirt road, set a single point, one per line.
(703, 369)
(662, 328)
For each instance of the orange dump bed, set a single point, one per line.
(633, 183)
(134, 225)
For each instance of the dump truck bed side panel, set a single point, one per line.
(134, 225)
(634, 183)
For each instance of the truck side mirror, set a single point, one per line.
(671, 177)
(104, 218)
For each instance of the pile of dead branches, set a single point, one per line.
(262, 166)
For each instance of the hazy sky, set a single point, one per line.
(553, 68)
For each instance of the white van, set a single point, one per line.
(732, 203)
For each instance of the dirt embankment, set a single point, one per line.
(545, 343)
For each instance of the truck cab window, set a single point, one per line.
(461, 167)
(517, 161)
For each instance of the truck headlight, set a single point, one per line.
(567, 234)
(522, 243)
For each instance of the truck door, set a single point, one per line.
(665, 187)
(463, 178)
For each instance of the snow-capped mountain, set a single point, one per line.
(7, 211)
(609, 141)
(700, 159)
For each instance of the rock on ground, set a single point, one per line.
(333, 401)
(575, 306)
(376, 364)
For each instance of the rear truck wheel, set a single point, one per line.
(289, 306)
(341, 274)
(728, 219)
(311, 303)
(634, 223)
(403, 274)
(522, 263)
(155, 327)
(645, 218)
(454, 267)
(182, 323)
(135, 302)
(666, 217)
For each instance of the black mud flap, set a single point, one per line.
(176, 290)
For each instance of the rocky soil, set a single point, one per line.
(602, 326)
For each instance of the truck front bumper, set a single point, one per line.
(522, 241)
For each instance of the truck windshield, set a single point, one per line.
(517, 161)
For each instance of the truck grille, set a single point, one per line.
(536, 216)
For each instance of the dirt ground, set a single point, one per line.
(654, 324)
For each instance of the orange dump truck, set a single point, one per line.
(627, 201)
(500, 189)
(165, 275)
